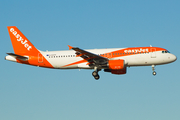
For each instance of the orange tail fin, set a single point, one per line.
(21, 45)
(24, 50)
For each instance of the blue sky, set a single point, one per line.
(31, 93)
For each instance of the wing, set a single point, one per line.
(92, 58)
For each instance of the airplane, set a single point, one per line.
(114, 60)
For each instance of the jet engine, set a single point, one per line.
(116, 67)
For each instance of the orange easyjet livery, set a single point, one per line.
(114, 60)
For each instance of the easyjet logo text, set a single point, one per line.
(20, 39)
(136, 50)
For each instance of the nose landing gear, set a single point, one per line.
(153, 68)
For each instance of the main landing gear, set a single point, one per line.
(95, 73)
(153, 68)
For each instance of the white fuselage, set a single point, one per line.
(60, 59)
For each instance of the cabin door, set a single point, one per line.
(40, 58)
(153, 52)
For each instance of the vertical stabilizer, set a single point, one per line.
(24, 50)
(21, 45)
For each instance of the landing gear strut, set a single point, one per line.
(95, 73)
(153, 68)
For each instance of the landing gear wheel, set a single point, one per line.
(153, 68)
(154, 73)
(95, 73)
(97, 77)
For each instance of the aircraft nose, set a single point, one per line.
(173, 58)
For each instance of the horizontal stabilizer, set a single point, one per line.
(18, 56)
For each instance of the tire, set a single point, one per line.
(94, 73)
(154, 73)
(97, 77)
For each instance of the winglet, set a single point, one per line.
(70, 47)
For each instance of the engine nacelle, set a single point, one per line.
(116, 67)
(118, 72)
(116, 64)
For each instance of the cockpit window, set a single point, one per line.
(165, 52)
